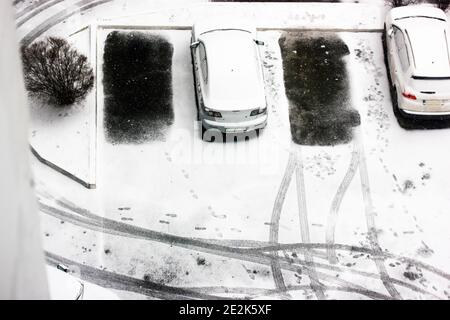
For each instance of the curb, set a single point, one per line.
(61, 170)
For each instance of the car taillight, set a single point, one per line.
(409, 96)
(258, 111)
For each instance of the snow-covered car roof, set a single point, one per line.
(429, 44)
(405, 12)
(427, 31)
(234, 72)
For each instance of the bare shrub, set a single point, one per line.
(442, 4)
(56, 72)
(401, 3)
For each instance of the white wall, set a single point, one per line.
(22, 271)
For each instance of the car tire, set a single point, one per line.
(395, 106)
(203, 133)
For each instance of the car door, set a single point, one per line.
(201, 71)
(400, 58)
(259, 63)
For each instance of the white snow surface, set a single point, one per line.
(392, 184)
(63, 135)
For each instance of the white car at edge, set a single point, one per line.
(417, 46)
(228, 77)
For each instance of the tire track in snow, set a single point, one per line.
(233, 253)
(352, 248)
(370, 220)
(304, 225)
(78, 7)
(273, 247)
(275, 222)
(108, 279)
(29, 8)
(45, 5)
(255, 293)
(254, 255)
(173, 239)
(252, 292)
(116, 281)
(337, 200)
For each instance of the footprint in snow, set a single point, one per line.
(219, 216)
(194, 195)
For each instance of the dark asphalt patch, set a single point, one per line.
(317, 87)
(137, 80)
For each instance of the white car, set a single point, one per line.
(228, 77)
(417, 49)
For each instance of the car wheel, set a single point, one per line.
(203, 133)
(405, 120)
(259, 132)
(395, 102)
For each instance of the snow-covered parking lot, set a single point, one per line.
(181, 218)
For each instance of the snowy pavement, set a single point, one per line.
(262, 218)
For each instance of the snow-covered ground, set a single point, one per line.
(262, 218)
(65, 136)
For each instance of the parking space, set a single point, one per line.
(214, 183)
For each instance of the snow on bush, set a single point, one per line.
(56, 72)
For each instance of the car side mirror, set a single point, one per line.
(390, 32)
(194, 44)
(259, 42)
